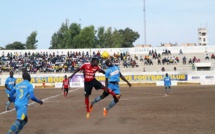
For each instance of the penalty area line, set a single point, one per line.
(44, 100)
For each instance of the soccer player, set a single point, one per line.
(89, 70)
(65, 86)
(43, 82)
(9, 85)
(167, 84)
(23, 91)
(112, 78)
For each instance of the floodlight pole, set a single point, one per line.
(144, 13)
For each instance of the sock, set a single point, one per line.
(97, 99)
(21, 127)
(8, 104)
(110, 91)
(111, 105)
(14, 127)
(165, 90)
(87, 104)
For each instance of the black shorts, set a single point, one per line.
(66, 89)
(88, 86)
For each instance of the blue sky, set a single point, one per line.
(167, 21)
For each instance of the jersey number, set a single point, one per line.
(21, 93)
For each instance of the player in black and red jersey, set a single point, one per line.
(89, 70)
(65, 86)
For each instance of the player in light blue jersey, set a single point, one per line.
(167, 84)
(24, 91)
(112, 78)
(9, 85)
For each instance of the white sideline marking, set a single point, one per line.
(42, 100)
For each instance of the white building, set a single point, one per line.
(203, 38)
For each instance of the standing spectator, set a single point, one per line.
(180, 52)
(206, 57)
(212, 56)
(184, 60)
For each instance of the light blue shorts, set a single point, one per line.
(21, 112)
(114, 88)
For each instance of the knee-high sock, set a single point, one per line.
(113, 103)
(14, 127)
(8, 104)
(87, 104)
(97, 99)
(110, 91)
(20, 127)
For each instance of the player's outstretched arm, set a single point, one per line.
(106, 85)
(33, 98)
(7, 87)
(77, 70)
(124, 79)
(12, 97)
(102, 71)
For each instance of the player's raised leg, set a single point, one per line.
(112, 104)
(97, 99)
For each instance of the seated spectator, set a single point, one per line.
(150, 62)
(198, 60)
(133, 63)
(136, 57)
(174, 68)
(206, 57)
(212, 56)
(125, 64)
(177, 59)
(170, 60)
(162, 69)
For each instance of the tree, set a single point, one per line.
(100, 39)
(129, 36)
(15, 45)
(86, 38)
(74, 29)
(31, 41)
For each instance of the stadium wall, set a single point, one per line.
(204, 78)
(134, 50)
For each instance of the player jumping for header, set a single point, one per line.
(112, 78)
(89, 70)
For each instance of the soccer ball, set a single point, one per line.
(105, 55)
